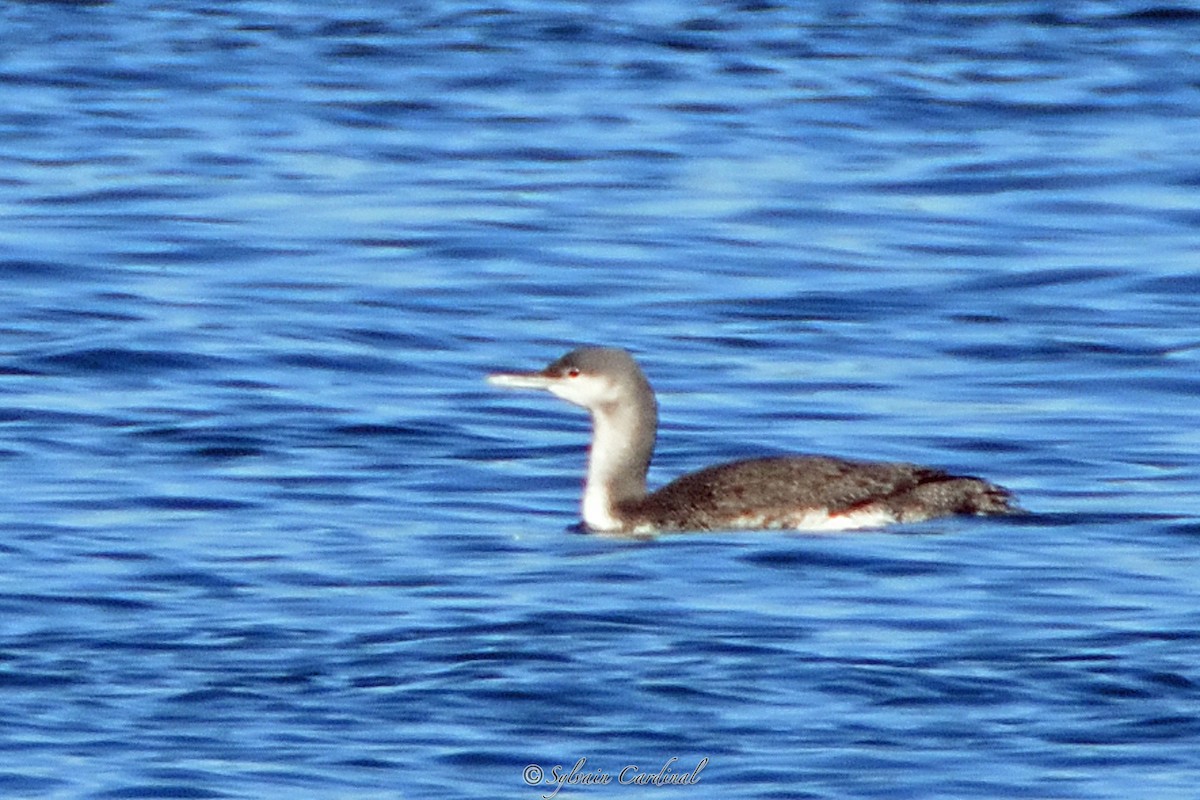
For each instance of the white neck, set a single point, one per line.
(622, 444)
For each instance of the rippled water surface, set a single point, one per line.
(267, 534)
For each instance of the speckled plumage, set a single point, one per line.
(816, 492)
(796, 492)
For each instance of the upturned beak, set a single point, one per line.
(521, 380)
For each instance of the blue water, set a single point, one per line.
(266, 533)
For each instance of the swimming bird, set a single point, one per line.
(801, 492)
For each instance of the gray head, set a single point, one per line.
(593, 377)
(608, 383)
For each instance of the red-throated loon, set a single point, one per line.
(790, 492)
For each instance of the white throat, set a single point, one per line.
(617, 463)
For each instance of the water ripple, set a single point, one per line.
(267, 532)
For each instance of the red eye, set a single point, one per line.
(573, 372)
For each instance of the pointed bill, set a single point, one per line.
(520, 380)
